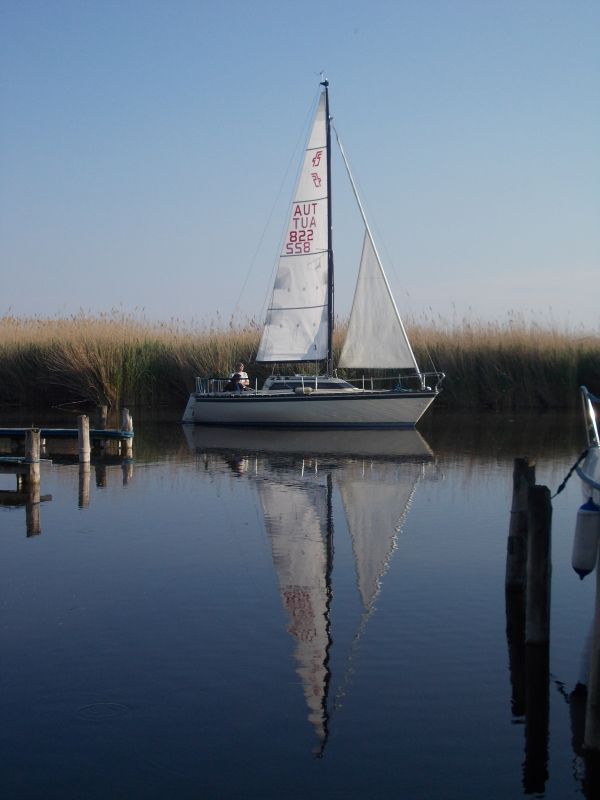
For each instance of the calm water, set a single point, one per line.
(242, 615)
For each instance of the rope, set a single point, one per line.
(570, 472)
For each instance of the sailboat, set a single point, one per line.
(300, 320)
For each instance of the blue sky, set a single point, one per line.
(143, 149)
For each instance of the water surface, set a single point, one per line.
(248, 614)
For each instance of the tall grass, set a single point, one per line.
(119, 359)
(509, 365)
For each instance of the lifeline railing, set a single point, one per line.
(428, 381)
(216, 385)
(589, 415)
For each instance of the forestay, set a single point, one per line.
(296, 326)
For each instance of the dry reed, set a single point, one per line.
(118, 359)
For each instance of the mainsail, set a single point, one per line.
(296, 327)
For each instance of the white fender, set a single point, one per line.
(585, 541)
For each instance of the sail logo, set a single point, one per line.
(317, 158)
(316, 179)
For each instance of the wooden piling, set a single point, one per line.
(101, 424)
(537, 717)
(126, 420)
(84, 484)
(592, 717)
(100, 471)
(539, 565)
(83, 425)
(515, 639)
(516, 551)
(127, 425)
(30, 481)
(32, 510)
(32, 457)
(127, 470)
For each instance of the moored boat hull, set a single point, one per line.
(316, 410)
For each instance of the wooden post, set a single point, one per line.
(126, 420)
(539, 566)
(32, 510)
(515, 639)
(32, 456)
(101, 418)
(100, 470)
(84, 484)
(31, 481)
(516, 551)
(591, 739)
(515, 581)
(127, 469)
(83, 424)
(127, 425)
(537, 717)
(101, 423)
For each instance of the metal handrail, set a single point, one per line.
(217, 385)
(429, 381)
(589, 415)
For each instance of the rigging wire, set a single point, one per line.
(570, 472)
(375, 253)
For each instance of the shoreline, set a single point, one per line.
(118, 360)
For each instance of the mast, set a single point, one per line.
(329, 368)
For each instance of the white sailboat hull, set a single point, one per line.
(369, 409)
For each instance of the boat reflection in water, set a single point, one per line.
(296, 475)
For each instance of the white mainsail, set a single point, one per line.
(296, 523)
(296, 327)
(376, 337)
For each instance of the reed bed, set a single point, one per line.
(509, 365)
(120, 359)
